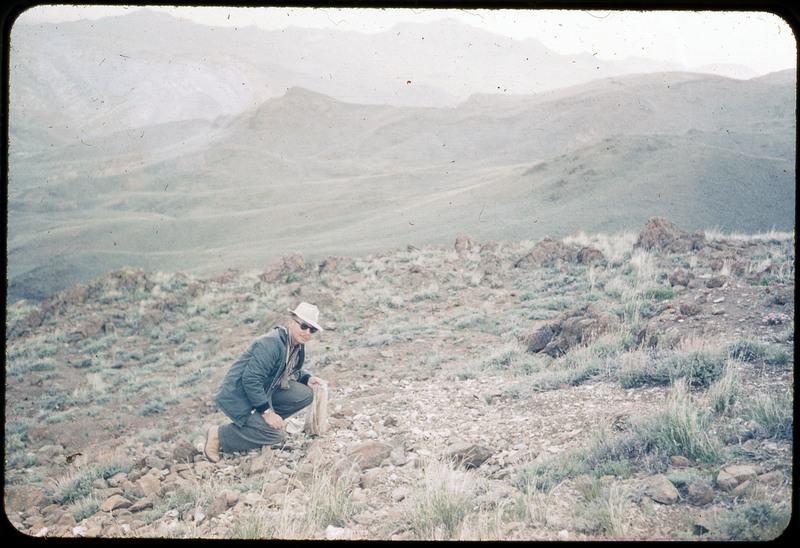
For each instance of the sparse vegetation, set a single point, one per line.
(439, 505)
(330, 500)
(682, 428)
(724, 392)
(621, 382)
(772, 413)
(757, 520)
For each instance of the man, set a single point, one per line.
(264, 386)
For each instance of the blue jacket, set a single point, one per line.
(250, 382)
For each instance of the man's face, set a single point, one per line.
(297, 333)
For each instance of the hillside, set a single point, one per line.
(309, 173)
(146, 67)
(632, 385)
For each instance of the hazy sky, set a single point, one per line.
(759, 40)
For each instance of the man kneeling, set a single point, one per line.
(264, 386)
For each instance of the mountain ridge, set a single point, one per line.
(377, 175)
(351, 177)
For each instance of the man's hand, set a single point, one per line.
(272, 419)
(314, 380)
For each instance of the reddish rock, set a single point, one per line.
(680, 462)
(546, 252)
(588, 255)
(700, 493)
(659, 233)
(369, 454)
(469, 455)
(463, 244)
(282, 270)
(115, 502)
(689, 308)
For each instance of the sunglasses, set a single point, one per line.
(304, 326)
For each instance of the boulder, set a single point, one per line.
(680, 277)
(660, 489)
(547, 252)
(700, 493)
(726, 481)
(537, 340)
(333, 263)
(225, 499)
(142, 504)
(659, 233)
(369, 454)
(149, 483)
(742, 473)
(589, 255)
(689, 308)
(258, 465)
(575, 326)
(489, 266)
(705, 523)
(115, 502)
(184, 452)
(679, 461)
(469, 455)
(283, 270)
(463, 244)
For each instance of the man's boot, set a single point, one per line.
(211, 449)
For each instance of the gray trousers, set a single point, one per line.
(256, 432)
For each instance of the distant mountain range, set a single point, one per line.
(204, 159)
(147, 68)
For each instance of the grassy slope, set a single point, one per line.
(308, 173)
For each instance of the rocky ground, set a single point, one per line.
(429, 354)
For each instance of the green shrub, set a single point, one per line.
(438, 506)
(682, 478)
(76, 485)
(615, 453)
(155, 513)
(778, 356)
(773, 414)
(330, 501)
(722, 394)
(699, 368)
(608, 512)
(620, 468)
(85, 508)
(53, 400)
(112, 468)
(589, 487)
(755, 351)
(73, 488)
(93, 346)
(631, 377)
(682, 429)
(531, 505)
(747, 350)
(556, 378)
(754, 520)
(572, 369)
(46, 350)
(635, 310)
(151, 407)
(196, 324)
(659, 294)
(545, 475)
(42, 366)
